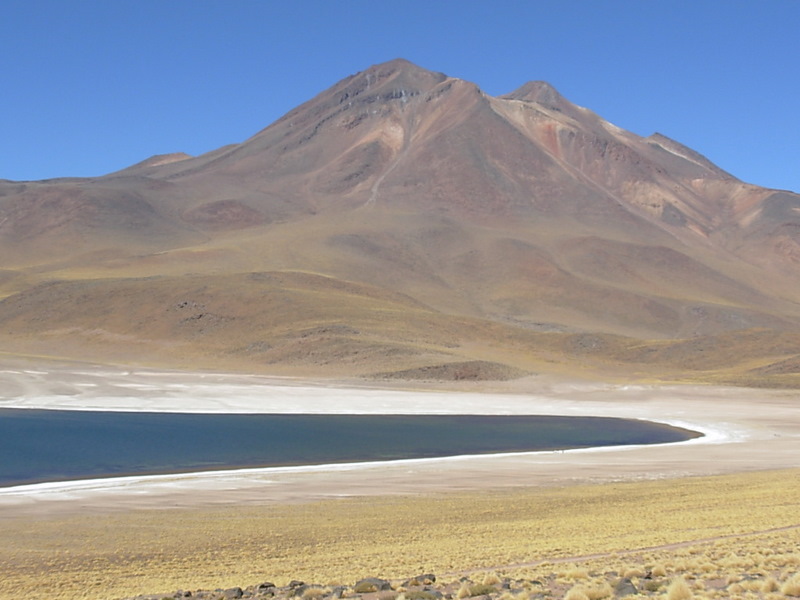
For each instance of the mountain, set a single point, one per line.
(405, 224)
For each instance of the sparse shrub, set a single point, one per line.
(463, 591)
(575, 573)
(481, 589)
(735, 588)
(598, 592)
(706, 567)
(681, 565)
(632, 572)
(679, 590)
(658, 571)
(769, 585)
(314, 593)
(576, 593)
(491, 579)
(791, 587)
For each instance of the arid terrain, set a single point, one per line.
(404, 224)
(404, 242)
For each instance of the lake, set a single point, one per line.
(56, 445)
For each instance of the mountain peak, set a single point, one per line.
(401, 75)
(538, 91)
(398, 64)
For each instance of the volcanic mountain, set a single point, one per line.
(403, 223)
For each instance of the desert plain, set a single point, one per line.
(565, 519)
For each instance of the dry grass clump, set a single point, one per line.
(770, 584)
(599, 591)
(791, 587)
(519, 594)
(755, 585)
(707, 568)
(576, 593)
(315, 593)
(575, 572)
(736, 588)
(481, 589)
(632, 572)
(658, 571)
(679, 590)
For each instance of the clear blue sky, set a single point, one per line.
(92, 86)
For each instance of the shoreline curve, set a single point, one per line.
(743, 430)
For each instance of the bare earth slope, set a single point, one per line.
(402, 221)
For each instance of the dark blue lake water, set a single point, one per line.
(48, 445)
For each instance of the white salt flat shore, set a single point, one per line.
(743, 430)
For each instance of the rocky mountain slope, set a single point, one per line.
(403, 220)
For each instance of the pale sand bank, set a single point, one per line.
(744, 430)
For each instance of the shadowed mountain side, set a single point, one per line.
(41, 222)
(532, 279)
(261, 318)
(305, 324)
(444, 226)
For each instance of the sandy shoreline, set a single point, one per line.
(744, 430)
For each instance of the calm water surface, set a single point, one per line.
(49, 445)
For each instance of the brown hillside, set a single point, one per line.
(404, 220)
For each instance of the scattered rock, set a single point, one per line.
(624, 588)
(420, 580)
(371, 584)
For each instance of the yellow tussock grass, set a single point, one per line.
(679, 590)
(791, 587)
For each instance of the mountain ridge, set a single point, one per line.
(516, 215)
